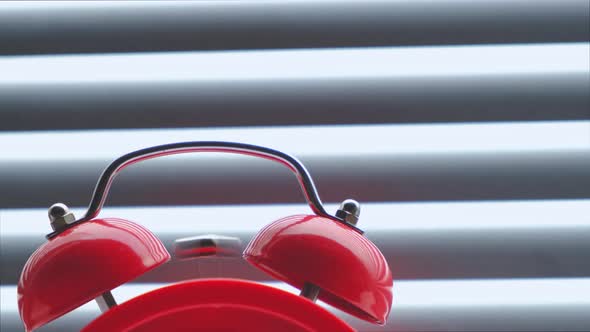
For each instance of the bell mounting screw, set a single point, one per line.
(349, 211)
(60, 216)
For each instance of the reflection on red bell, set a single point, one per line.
(81, 263)
(312, 252)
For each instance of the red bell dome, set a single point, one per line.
(81, 263)
(350, 271)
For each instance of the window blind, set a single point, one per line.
(463, 127)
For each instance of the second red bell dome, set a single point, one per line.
(350, 270)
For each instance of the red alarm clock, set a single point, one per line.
(325, 256)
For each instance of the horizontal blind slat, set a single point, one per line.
(350, 63)
(39, 28)
(336, 140)
(161, 104)
(424, 177)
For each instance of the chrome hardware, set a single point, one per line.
(60, 216)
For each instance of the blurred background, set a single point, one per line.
(463, 128)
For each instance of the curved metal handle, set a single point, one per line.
(109, 174)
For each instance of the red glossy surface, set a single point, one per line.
(217, 305)
(81, 263)
(352, 273)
